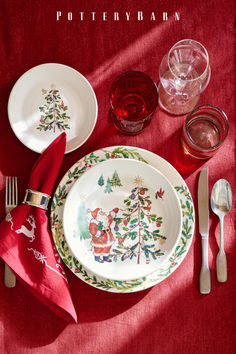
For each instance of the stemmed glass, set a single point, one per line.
(184, 74)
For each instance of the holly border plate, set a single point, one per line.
(175, 179)
(48, 99)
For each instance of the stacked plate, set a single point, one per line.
(122, 219)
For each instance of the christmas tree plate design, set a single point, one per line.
(188, 219)
(115, 223)
(48, 99)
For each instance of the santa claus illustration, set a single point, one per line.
(102, 236)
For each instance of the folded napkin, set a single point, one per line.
(25, 240)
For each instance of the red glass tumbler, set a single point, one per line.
(133, 99)
(204, 131)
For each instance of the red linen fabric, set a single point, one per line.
(172, 317)
(26, 244)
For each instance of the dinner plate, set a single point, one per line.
(188, 219)
(48, 99)
(122, 219)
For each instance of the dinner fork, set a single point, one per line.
(11, 201)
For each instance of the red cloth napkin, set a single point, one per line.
(26, 244)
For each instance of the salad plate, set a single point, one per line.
(122, 219)
(187, 228)
(48, 99)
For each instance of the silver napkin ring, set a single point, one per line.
(36, 199)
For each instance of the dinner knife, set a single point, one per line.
(203, 215)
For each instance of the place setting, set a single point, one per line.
(122, 218)
(183, 227)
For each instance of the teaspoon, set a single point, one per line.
(221, 202)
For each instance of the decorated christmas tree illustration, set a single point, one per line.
(53, 112)
(137, 229)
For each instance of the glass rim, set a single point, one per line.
(204, 49)
(141, 74)
(212, 148)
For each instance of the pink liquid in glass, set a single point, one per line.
(204, 131)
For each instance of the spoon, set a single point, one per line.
(221, 202)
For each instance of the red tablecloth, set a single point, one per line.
(172, 317)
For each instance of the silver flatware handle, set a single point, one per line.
(221, 261)
(9, 277)
(221, 267)
(205, 275)
(205, 281)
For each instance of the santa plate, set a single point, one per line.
(122, 219)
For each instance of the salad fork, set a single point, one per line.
(11, 201)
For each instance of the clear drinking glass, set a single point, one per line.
(184, 74)
(133, 99)
(204, 131)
